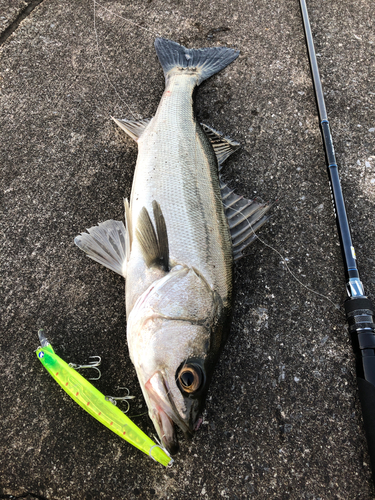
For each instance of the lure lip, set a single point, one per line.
(43, 339)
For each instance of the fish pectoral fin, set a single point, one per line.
(244, 218)
(223, 146)
(154, 244)
(132, 127)
(106, 243)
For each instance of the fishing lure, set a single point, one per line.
(95, 403)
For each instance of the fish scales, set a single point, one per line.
(182, 175)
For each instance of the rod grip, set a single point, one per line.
(367, 398)
(360, 316)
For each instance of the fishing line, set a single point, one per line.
(124, 19)
(101, 59)
(336, 306)
(140, 415)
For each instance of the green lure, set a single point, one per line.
(94, 402)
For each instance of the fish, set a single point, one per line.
(184, 229)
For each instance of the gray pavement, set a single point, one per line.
(282, 419)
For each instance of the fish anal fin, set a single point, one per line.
(132, 127)
(222, 145)
(106, 243)
(244, 218)
(154, 244)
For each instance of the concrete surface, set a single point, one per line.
(282, 418)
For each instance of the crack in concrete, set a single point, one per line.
(27, 496)
(25, 12)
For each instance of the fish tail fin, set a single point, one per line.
(205, 62)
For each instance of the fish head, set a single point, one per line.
(173, 377)
(170, 343)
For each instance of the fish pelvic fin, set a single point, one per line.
(205, 62)
(154, 244)
(133, 128)
(108, 244)
(244, 218)
(129, 228)
(223, 146)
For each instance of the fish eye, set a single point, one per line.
(190, 378)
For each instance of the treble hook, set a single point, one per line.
(114, 399)
(92, 364)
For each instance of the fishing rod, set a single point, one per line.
(358, 307)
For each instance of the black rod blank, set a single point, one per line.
(359, 309)
(354, 284)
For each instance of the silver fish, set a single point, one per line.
(184, 227)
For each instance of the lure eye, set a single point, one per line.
(190, 378)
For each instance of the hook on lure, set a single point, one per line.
(92, 364)
(161, 447)
(114, 399)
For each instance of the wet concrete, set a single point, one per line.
(282, 418)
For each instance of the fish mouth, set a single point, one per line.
(164, 414)
(166, 430)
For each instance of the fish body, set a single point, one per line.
(183, 226)
(177, 167)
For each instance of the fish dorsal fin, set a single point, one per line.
(106, 243)
(132, 127)
(244, 218)
(223, 146)
(154, 244)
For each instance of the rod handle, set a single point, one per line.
(367, 398)
(360, 315)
